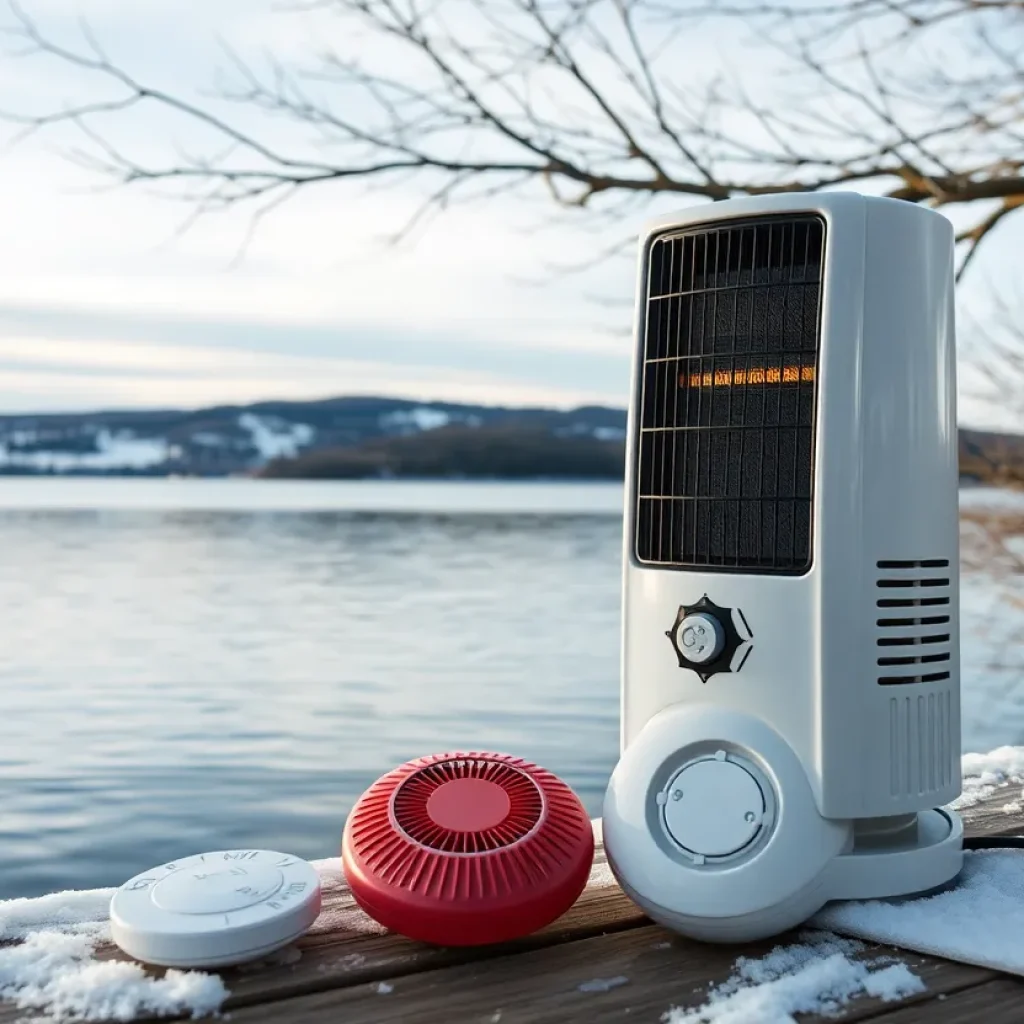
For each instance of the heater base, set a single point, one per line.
(750, 927)
(912, 855)
(722, 839)
(923, 854)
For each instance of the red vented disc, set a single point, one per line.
(466, 849)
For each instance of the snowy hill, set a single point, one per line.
(231, 440)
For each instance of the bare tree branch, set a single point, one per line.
(920, 100)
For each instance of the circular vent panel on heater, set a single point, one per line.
(467, 849)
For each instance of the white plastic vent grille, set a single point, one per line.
(913, 621)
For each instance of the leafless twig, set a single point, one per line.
(585, 99)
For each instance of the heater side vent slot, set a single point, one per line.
(724, 456)
(913, 637)
(924, 745)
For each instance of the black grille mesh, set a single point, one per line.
(725, 462)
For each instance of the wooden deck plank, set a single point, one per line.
(332, 961)
(991, 818)
(637, 974)
(996, 1002)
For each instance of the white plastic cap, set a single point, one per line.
(215, 909)
(701, 637)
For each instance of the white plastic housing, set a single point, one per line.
(850, 764)
(886, 478)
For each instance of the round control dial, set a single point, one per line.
(713, 808)
(700, 638)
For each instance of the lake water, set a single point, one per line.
(191, 665)
(198, 664)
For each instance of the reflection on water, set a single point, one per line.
(183, 679)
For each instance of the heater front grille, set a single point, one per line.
(725, 452)
(913, 619)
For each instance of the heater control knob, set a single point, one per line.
(713, 807)
(700, 637)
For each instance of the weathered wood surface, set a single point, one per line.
(601, 961)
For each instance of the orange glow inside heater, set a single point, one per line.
(748, 375)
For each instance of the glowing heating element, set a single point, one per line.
(750, 375)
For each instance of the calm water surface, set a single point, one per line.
(191, 665)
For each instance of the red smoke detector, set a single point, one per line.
(467, 849)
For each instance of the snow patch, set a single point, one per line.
(984, 774)
(275, 438)
(419, 418)
(113, 450)
(816, 976)
(977, 921)
(53, 971)
(71, 913)
(55, 974)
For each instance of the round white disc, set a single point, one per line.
(714, 808)
(215, 909)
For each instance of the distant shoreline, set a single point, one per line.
(370, 438)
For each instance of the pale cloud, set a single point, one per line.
(38, 374)
(65, 392)
(320, 259)
(97, 355)
(446, 350)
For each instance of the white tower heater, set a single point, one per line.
(790, 648)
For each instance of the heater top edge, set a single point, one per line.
(824, 204)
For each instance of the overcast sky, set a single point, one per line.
(102, 304)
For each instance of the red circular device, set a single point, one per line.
(467, 849)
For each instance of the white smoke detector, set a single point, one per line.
(215, 909)
(790, 672)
